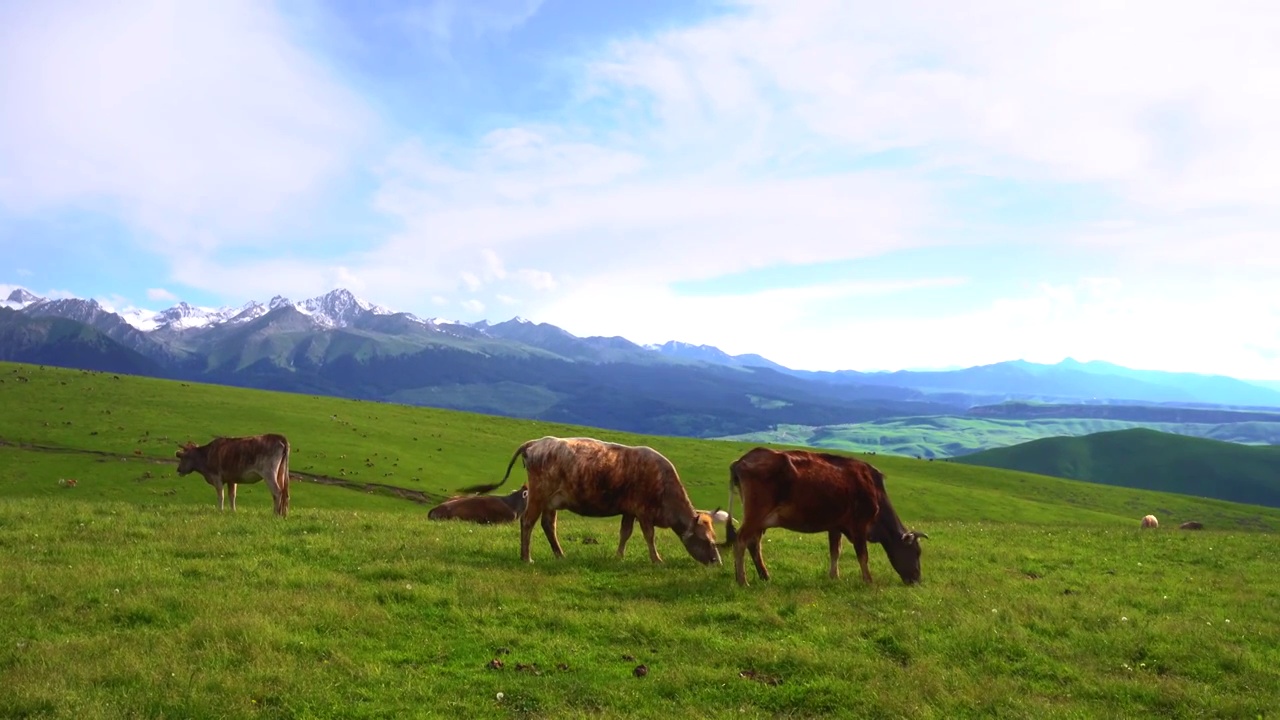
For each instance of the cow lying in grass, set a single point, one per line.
(601, 479)
(483, 509)
(227, 462)
(817, 492)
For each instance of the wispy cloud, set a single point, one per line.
(201, 124)
(440, 20)
(161, 295)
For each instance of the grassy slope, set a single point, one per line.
(954, 436)
(438, 451)
(1145, 458)
(124, 599)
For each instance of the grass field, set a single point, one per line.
(129, 595)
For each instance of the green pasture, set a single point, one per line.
(130, 595)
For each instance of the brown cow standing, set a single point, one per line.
(812, 492)
(483, 509)
(227, 462)
(602, 479)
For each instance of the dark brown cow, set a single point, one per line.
(602, 479)
(1191, 525)
(227, 462)
(812, 492)
(483, 509)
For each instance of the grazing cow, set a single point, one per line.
(602, 479)
(1150, 521)
(812, 492)
(483, 509)
(227, 462)
(1191, 525)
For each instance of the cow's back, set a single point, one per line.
(599, 479)
(246, 459)
(808, 492)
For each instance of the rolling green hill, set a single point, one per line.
(1148, 459)
(434, 451)
(942, 436)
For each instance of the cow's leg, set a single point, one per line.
(624, 533)
(739, 560)
(532, 512)
(833, 539)
(757, 555)
(231, 496)
(860, 546)
(549, 528)
(748, 539)
(273, 484)
(526, 531)
(217, 488)
(647, 528)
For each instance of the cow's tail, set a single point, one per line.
(521, 452)
(730, 535)
(282, 481)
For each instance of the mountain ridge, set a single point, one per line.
(339, 344)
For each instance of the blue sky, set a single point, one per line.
(829, 184)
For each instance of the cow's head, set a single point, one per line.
(186, 458)
(904, 555)
(519, 500)
(700, 540)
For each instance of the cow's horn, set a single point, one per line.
(920, 534)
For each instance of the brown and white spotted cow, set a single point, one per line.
(602, 479)
(227, 462)
(812, 492)
(483, 509)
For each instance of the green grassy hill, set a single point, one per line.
(435, 452)
(1148, 459)
(940, 436)
(129, 595)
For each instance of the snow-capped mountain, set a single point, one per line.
(19, 299)
(710, 354)
(337, 309)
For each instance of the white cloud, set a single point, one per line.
(198, 123)
(538, 279)
(440, 20)
(473, 305)
(160, 294)
(765, 322)
(1093, 319)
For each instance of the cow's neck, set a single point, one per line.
(679, 513)
(888, 526)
